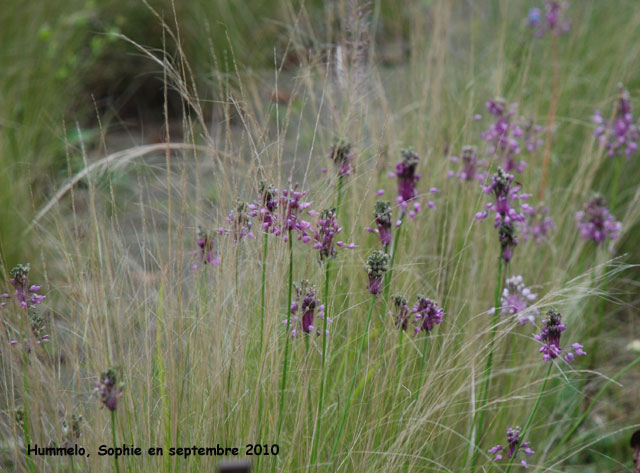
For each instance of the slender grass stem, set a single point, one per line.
(479, 412)
(27, 418)
(424, 359)
(389, 274)
(339, 199)
(353, 380)
(616, 182)
(263, 286)
(530, 419)
(285, 363)
(597, 397)
(115, 444)
(551, 117)
(325, 299)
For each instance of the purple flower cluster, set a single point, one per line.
(402, 311)
(307, 304)
(554, 18)
(292, 205)
(240, 221)
(384, 221)
(506, 193)
(266, 208)
(513, 442)
(28, 297)
(343, 157)
(552, 328)
(324, 235)
(516, 298)
(537, 225)
(279, 211)
(207, 253)
(470, 166)
(427, 314)
(619, 136)
(109, 390)
(596, 222)
(508, 134)
(408, 179)
(376, 265)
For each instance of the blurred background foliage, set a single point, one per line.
(63, 64)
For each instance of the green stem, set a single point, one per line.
(582, 418)
(485, 389)
(283, 384)
(115, 444)
(353, 380)
(424, 358)
(339, 195)
(263, 287)
(523, 433)
(389, 273)
(325, 298)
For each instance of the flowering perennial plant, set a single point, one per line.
(554, 19)
(376, 265)
(513, 442)
(402, 311)
(326, 230)
(109, 390)
(28, 298)
(552, 328)
(470, 166)
(343, 157)
(307, 303)
(508, 135)
(516, 298)
(384, 221)
(239, 219)
(619, 136)
(428, 314)
(596, 223)
(407, 181)
(207, 254)
(537, 224)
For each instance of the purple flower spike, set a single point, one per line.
(470, 166)
(620, 136)
(266, 208)
(207, 252)
(239, 219)
(509, 135)
(552, 328)
(109, 390)
(538, 225)
(308, 305)
(402, 311)
(554, 19)
(516, 298)
(28, 298)
(376, 265)
(292, 206)
(513, 442)
(324, 236)
(384, 221)
(428, 314)
(508, 240)
(407, 177)
(506, 193)
(596, 222)
(343, 157)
